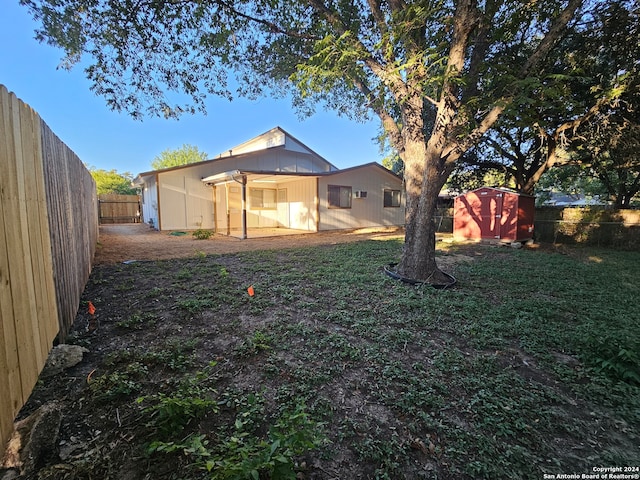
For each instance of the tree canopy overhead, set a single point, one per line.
(437, 73)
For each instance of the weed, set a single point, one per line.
(155, 292)
(119, 384)
(622, 365)
(242, 454)
(383, 453)
(176, 355)
(257, 343)
(191, 401)
(195, 305)
(184, 274)
(138, 321)
(126, 285)
(202, 234)
(239, 452)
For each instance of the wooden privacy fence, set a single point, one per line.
(588, 226)
(598, 226)
(114, 208)
(48, 233)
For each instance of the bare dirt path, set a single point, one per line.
(119, 243)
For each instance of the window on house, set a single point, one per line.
(262, 198)
(339, 197)
(392, 198)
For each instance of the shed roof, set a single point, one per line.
(499, 189)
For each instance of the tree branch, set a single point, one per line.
(388, 122)
(551, 37)
(273, 27)
(481, 47)
(544, 47)
(503, 151)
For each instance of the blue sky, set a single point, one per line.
(110, 140)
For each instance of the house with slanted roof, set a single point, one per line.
(272, 181)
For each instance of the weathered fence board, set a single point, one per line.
(48, 233)
(11, 396)
(114, 208)
(72, 223)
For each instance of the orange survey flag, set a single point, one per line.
(250, 291)
(92, 309)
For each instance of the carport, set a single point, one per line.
(264, 203)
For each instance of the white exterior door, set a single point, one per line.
(283, 208)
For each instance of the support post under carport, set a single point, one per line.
(244, 207)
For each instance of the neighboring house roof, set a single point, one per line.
(572, 200)
(274, 138)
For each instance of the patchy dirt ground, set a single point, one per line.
(187, 371)
(120, 243)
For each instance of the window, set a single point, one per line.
(339, 197)
(392, 198)
(262, 198)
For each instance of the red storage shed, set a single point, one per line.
(495, 214)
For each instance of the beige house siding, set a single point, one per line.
(364, 212)
(185, 203)
(181, 201)
(286, 186)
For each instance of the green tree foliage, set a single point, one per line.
(584, 111)
(110, 181)
(572, 179)
(180, 156)
(609, 145)
(437, 74)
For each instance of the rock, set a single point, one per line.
(34, 440)
(10, 474)
(62, 357)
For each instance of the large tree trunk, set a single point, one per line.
(424, 178)
(427, 167)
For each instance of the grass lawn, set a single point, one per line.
(530, 365)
